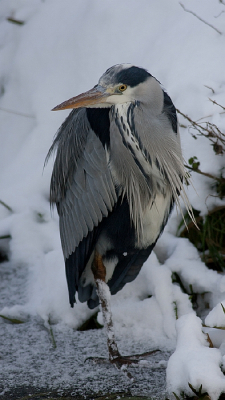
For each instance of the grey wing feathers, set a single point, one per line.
(70, 141)
(81, 184)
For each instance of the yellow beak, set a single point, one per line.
(96, 95)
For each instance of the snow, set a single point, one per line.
(216, 316)
(60, 51)
(193, 362)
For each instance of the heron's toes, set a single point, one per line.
(134, 359)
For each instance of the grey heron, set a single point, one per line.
(117, 174)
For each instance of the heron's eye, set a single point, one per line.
(122, 88)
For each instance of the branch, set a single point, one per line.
(6, 206)
(217, 16)
(214, 102)
(208, 87)
(16, 112)
(191, 12)
(195, 124)
(211, 132)
(202, 173)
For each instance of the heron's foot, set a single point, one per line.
(121, 366)
(120, 361)
(129, 360)
(123, 362)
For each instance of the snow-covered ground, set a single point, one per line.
(61, 50)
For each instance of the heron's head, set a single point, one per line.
(121, 83)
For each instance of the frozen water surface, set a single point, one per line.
(30, 361)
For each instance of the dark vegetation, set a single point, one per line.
(209, 239)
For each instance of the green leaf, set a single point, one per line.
(6, 206)
(5, 237)
(91, 323)
(193, 161)
(199, 392)
(52, 337)
(223, 307)
(15, 21)
(12, 320)
(177, 397)
(193, 389)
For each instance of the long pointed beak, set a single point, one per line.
(96, 95)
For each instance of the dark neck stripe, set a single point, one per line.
(170, 110)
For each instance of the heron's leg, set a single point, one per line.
(115, 357)
(99, 272)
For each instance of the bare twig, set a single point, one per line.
(191, 12)
(214, 102)
(217, 16)
(207, 116)
(202, 173)
(208, 87)
(16, 112)
(195, 124)
(210, 131)
(6, 206)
